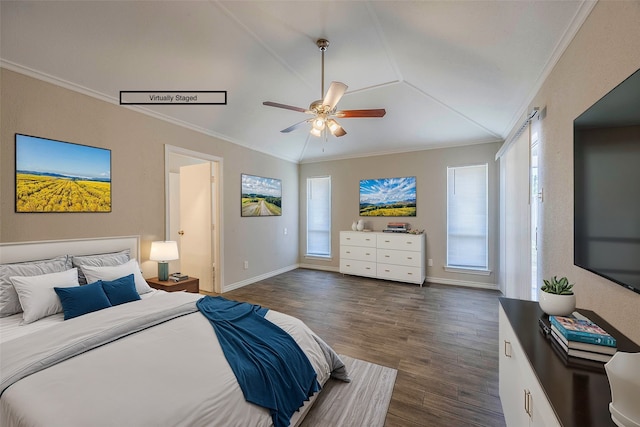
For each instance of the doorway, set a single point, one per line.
(193, 214)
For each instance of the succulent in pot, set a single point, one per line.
(557, 297)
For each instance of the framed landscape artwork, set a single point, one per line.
(261, 196)
(57, 176)
(388, 197)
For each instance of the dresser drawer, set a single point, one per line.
(400, 272)
(361, 253)
(390, 256)
(357, 239)
(403, 242)
(358, 268)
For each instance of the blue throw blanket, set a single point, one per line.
(271, 368)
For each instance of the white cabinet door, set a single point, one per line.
(524, 403)
(512, 393)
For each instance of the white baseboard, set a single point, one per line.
(251, 280)
(466, 283)
(429, 279)
(320, 267)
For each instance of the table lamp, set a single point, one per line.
(163, 252)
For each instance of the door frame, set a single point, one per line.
(218, 241)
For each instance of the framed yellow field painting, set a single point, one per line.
(57, 176)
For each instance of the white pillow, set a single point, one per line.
(36, 294)
(94, 274)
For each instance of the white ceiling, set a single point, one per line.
(448, 73)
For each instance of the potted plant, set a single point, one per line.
(557, 298)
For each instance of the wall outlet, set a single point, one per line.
(246, 265)
(430, 262)
(285, 231)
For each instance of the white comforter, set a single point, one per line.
(171, 374)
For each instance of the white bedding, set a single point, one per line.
(12, 326)
(172, 374)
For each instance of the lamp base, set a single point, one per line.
(163, 271)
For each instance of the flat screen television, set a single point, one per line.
(607, 186)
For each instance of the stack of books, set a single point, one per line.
(178, 277)
(579, 337)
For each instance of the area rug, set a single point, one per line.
(362, 402)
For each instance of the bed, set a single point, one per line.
(152, 361)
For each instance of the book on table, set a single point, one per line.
(578, 345)
(581, 330)
(582, 354)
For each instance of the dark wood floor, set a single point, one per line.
(443, 340)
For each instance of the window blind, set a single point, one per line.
(319, 216)
(467, 217)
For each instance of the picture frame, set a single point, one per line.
(391, 197)
(58, 176)
(260, 196)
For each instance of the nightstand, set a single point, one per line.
(192, 284)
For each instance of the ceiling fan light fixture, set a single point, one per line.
(319, 123)
(333, 125)
(315, 132)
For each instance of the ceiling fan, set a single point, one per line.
(324, 110)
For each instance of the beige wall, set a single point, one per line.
(430, 169)
(605, 51)
(137, 141)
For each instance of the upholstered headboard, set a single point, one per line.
(28, 251)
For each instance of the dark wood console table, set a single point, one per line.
(579, 397)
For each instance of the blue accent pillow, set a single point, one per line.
(79, 300)
(121, 290)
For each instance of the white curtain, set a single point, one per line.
(514, 276)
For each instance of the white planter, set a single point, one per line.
(623, 372)
(557, 305)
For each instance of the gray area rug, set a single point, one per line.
(362, 402)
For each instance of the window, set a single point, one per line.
(319, 216)
(467, 236)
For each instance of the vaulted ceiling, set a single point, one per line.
(448, 73)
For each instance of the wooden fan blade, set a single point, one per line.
(286, 107)
(296, 126)
(335, 92)
(347, 114)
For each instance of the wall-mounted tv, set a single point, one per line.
(388, 197)
(58, 176)
(607, 186)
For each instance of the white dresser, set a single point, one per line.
(389, 256)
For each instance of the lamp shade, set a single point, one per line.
(164, 251)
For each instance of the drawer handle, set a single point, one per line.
(368, 240)
(348, 238)
(507, 348)
(410, 274)
(409, 257)
(348, 265)
(528, 403)
(387, 256)
(387, 271)
(368, 268)
(386, 241)
(367, 253)
(409, 243)
(348, 252)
